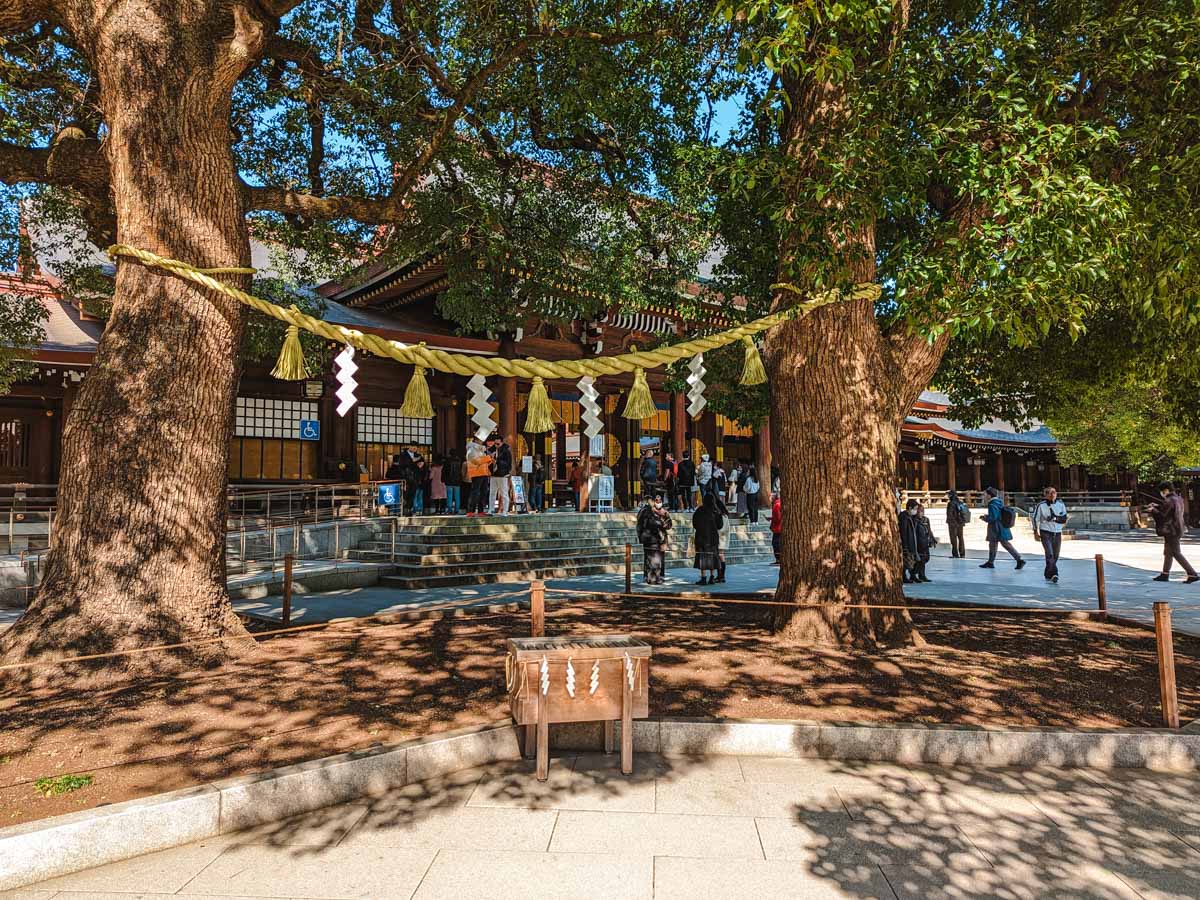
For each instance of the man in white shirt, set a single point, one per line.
(1048, 520)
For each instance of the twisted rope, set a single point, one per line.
(468, 364)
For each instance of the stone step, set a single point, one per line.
(474, 543)
(570, 570)
(415, 568)
(454, 555)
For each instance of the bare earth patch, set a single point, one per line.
(316, 693)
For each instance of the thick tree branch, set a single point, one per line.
(18, 15)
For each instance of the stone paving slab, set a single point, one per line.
(696, 827)
(676, 878)
(457, 875)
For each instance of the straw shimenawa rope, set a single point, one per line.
(468, 364)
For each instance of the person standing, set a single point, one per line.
(704, 475)
(686, 479)
(750, 491)
(706, 527)
(478, 465)
(957, 516)
(537, 485)
(500, 488)
(722, 537)
(653, 525)
(576, 478)
(998, 533)
(913, 543)
(776, 526)
(1049, 517)
(452, 479)
(437, 486)
(1171, 525)
(930, 540)
(648, 474)
(420, 475)
(670, 490)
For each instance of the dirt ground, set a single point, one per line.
(316, 693)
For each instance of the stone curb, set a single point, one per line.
(35, 851)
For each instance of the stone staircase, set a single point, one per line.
(440, 551)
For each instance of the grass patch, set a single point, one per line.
(63, 784)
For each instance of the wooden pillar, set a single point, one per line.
(560, 451)
(999, 471)
(1023, 477)
(679, 419)
(707, 431)
(976, 478)
(924, 471)
(508, 407)
(762, 460)
(951, 470)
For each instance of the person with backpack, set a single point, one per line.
(957, 516)
(653, 525)
(704, 474)
(1049, 517)
(685, 477)
(1171, 525)
(499, 488)
(1000, 520)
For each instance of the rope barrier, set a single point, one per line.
(468, 364)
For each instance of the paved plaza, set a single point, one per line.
(709, 827)
(1130, 562)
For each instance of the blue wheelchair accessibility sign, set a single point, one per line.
(310, 430)
(389, 495)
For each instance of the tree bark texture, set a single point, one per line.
(138, 550)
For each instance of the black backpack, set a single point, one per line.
(1008, 516)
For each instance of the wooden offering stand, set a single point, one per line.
(578, 679)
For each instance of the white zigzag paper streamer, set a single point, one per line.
(481, 400)
(589, 399)
(595, 677)
(696, 385)
(346, 367)
(545, 675)
(570, 679)
(630, 671)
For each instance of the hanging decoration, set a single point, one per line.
(417, 404)
(344, 370)
(570, 679)
(753, 371)
(639, 404)
(589, 397)
(595, 683)
(545, 670)
(630, 672)
(481, 400)
(540, 417)
(290, 366)
(696, 386)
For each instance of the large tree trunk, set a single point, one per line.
(138, 552)
(835, 406)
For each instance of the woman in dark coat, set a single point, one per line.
(653, 523)
(914, 543)
(706, 533)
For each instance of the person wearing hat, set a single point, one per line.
(653, 525)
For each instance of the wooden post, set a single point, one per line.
(287, 590)
(543, 736)
(951, 470)
(337, 540)
(1101, 591)
(537, 608)
(609, 736)
(629, 568)
(626, 725)
(1166, 664)
(537, 628)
